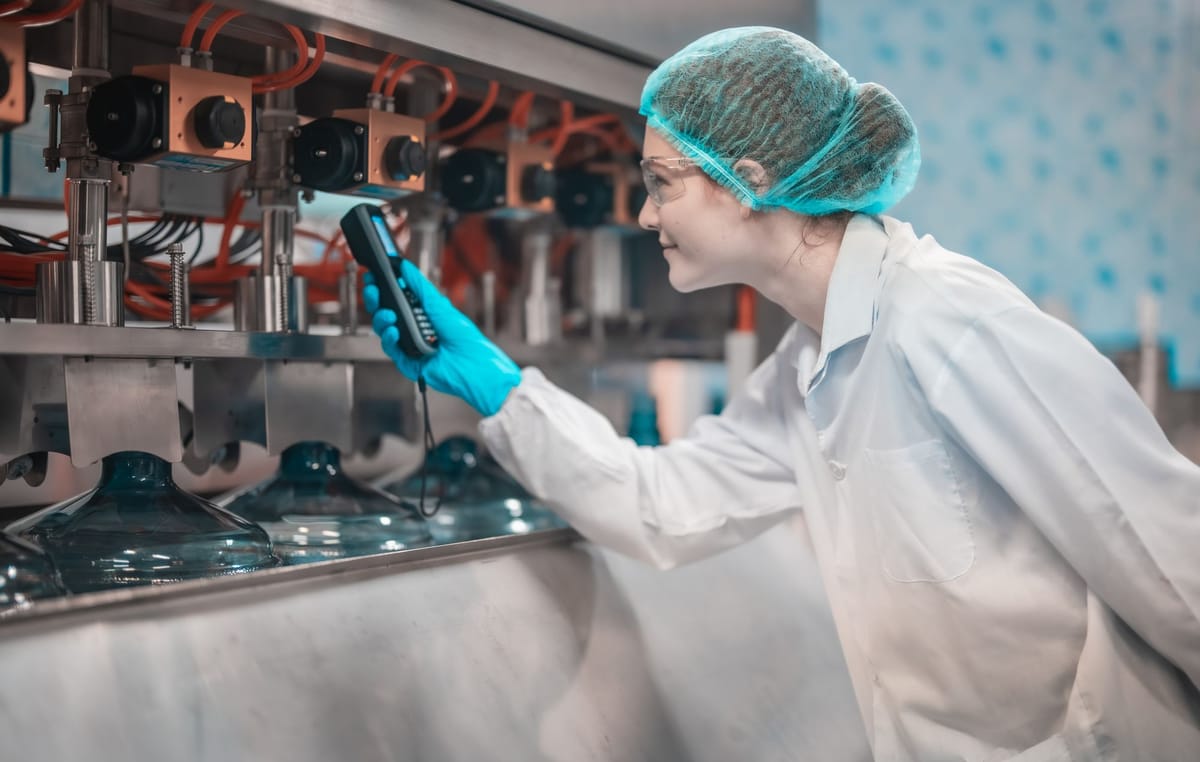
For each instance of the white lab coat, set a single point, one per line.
(1010, 546)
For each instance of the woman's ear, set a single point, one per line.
(754, 176)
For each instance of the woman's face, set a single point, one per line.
(702, 229)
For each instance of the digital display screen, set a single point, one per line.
(385, 236)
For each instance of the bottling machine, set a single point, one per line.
(500, 138)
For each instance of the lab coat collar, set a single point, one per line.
(853, 286)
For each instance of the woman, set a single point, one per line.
(1008, 541)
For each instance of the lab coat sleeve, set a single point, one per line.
(722, 484)
(1062, 431)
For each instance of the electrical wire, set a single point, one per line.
(430, 442)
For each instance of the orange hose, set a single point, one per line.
(10, 8)
(331, 246)
(389, 89)
(448, 101)
(293, 71)
(381, 73)
(193, 23)
(519, 116)
(567, 111)
(307, 71)
(210, 34)
(50, 17)
(485, 107)
(576, 125)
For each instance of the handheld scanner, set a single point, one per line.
(373, 247)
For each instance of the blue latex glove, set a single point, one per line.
(467, 364)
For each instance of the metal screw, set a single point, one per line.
(297, 132)
(358, 176)
(358, 130)
(157, 89)
(157, 142)
(180, 309)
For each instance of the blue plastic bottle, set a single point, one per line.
(479, 499)
(315, 512)
(26, 574)
(137, 527)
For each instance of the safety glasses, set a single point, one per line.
(663, 176)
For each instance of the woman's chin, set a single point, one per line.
(685, 279)
(681, 280)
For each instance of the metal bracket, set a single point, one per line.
(53, 101)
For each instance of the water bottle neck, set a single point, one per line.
(308, 460)
(135, 470)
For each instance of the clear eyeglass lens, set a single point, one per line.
(661, 186)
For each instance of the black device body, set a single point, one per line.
(373, 247)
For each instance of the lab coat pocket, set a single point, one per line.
(921, 524)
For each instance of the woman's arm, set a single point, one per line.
(728, 480)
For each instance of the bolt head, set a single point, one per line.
(358, 176)
(157, 142)
(358, 130)
(157, 89)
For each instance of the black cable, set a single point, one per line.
(199, 241)
(167, 236)
(429, 444)
(23, 242)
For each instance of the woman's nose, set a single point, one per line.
(648, 216)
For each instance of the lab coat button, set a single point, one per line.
(837, 469)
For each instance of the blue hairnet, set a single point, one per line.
(827, 143)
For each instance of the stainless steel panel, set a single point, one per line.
(470, 39)
(33, 410)
(227, 404)
(100, 341)
(653, 31)
(383, 404)
(122, 404)
(550, 652)
(308, 401)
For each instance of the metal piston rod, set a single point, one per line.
(79, 290)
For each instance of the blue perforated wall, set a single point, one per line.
(1061, 146)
